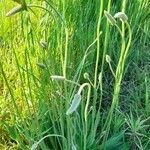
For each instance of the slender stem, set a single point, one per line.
(90, 82)
(97, 60)
(72, 82)
(104, 54)
(118, 75)
(86, 115)
(98, 42)
(118, 80)
(111, 69)
(41, 7)
(128, 45)
(66, 53)
(119, 30)
(86, 109)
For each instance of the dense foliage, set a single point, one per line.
(74, 75)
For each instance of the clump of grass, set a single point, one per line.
(64, 107)
(120, 66)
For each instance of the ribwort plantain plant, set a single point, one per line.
(118, 75)
(64, 69)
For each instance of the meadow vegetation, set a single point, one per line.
(75, 74)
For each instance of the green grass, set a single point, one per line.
(106, 66)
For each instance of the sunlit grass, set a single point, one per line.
(72, 76)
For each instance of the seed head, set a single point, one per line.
(122, 16)
(108, 59)
(34, 146)
(74, 105)
(59, 78)
(15, 10)
(42, 66)
(110, 18)
(43, 44)
(86, 75)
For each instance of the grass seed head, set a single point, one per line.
(15, 10)
(122, 16)
(58, 78)
(86, 75)
(75, 103)
(108, 59)
(43, 44)
(34, 146)
(110, 18)
(42, 66)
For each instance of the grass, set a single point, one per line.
(72, 79)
